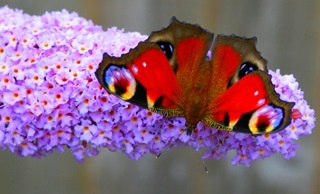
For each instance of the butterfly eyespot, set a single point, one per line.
(167, 48)
(246, 68)
(266, 119)
(120, 81)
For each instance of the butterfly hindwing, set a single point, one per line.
(251, 108)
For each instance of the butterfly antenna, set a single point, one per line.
(204, 164)
(167, 144)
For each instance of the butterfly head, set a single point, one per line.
(190, 127)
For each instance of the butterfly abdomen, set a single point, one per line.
(196, 97)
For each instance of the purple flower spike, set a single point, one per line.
(50, 98)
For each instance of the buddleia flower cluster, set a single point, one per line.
(51, 100)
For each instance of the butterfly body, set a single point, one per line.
(182, 71)
(195, 101)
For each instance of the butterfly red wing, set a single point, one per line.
(243, 97)
(143, 77)
(251, 106)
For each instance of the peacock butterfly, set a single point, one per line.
(181, 71)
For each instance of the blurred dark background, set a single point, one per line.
(288, 37)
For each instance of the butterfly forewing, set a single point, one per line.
(243, 97)
(137, 78)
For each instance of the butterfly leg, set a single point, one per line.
(190, 128)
